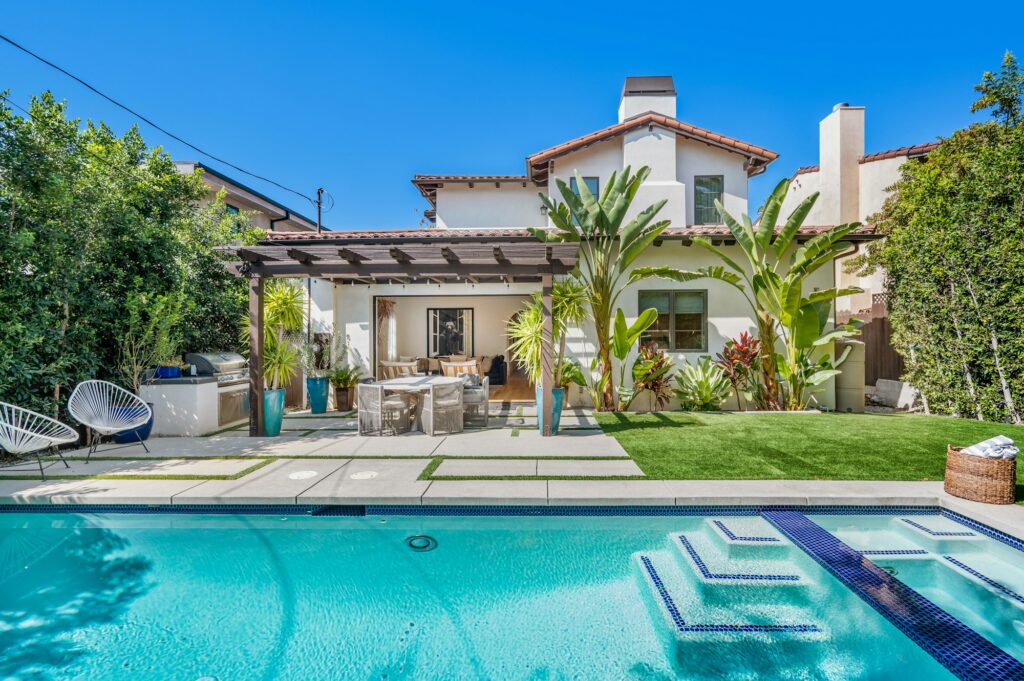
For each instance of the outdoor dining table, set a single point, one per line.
(412, 386)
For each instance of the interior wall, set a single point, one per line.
(490, 315)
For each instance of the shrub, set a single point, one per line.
(702, 386)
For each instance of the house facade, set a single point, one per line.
(428, 311)
(268, 214)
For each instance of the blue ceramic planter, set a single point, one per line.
(557, 399)
(316, 389)
(126, 437)
(273, 411)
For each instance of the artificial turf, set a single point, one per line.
(828, 446)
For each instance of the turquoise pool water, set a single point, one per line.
(254, 597)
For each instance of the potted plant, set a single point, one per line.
(316, 365)
(149, 341)
(283, 317)
(344, 379)
(526, 332)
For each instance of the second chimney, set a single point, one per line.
(841, 144)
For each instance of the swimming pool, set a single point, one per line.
(704, 594)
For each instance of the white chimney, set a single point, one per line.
(841, 144)
(641, 94)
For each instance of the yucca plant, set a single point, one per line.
(283, 315)
(702, 386)
(526, 330)
(773, 286)
(608, 247)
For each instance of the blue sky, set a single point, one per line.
(359, 97)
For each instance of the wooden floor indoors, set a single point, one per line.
(516, 389)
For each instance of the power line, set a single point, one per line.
(148, 121)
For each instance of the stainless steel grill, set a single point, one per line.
(229, 368)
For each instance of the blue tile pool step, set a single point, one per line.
(712, 569)
(992, 584)
(689, 627)
(930, 531)
(740, 537)
(960, 649)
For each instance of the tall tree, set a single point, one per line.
(954, 264)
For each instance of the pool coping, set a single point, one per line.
(410, 494)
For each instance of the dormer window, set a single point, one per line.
(706, 190)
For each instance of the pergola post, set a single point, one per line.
(255, 356)
(547, 359)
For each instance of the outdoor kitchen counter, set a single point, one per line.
(186, 406)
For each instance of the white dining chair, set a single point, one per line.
(442, 409)
(381, 414)
(23, 431)
(107, 409)
(476, 402)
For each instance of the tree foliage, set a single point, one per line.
(88, 222)
(954, 263)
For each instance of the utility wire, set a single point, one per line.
(148, 121)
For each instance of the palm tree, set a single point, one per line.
(773, 287)
(607, 248)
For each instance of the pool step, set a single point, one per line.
(666, 588)
(713, 567)
(746, 536)
(940, 535)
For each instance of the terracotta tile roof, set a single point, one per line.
(468, 178)
(429, 184)
(916, 150)
(758, 157)
(803, 170)
(506, 234)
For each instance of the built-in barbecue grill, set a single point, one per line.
(229, 368)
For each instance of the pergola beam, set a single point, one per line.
(327, 269)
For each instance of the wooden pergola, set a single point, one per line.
(384, 261)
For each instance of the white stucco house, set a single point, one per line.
(484, 219)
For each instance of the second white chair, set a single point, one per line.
(442, 409)
(107, 409)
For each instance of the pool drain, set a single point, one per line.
(421, 542)
(890, 569)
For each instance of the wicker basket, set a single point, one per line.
(990, 481)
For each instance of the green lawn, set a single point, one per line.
(722, 446)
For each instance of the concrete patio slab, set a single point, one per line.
(476, 468)
(609, 493)
(370, 481)
(145, 492)
(583, 468)
(803, 492)
(567, 422)
(409, 444)
(280, 482)
(314, 423)
(168, 467)
(487, 492)
(34, 491)
(214, 446)
(530, 444)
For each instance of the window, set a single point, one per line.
(682, 320)
(591, 182)
(450, 331)
(230, 210)
(707, 189)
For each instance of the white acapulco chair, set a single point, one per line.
(107, 409)
(23, 431)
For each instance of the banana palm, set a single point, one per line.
(773, 287)
(608, 247)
